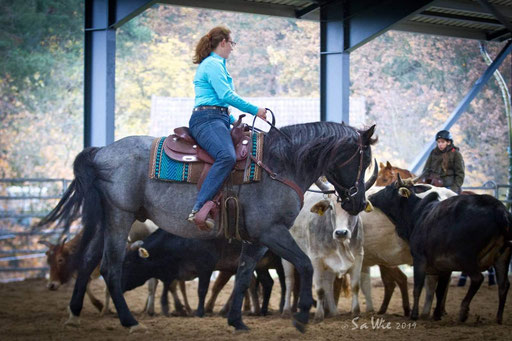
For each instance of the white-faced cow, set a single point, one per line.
(333, 240)
(463, 233)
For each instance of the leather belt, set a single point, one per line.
(212, 107)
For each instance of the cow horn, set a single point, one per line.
(373, 178)
(46, 243)
(399, 180)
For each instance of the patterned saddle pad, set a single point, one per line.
(162, 167)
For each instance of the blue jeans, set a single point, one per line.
(210, 128)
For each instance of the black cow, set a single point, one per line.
(463, 233)
(170, 258)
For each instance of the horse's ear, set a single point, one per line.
(367, 134)
(388, 165)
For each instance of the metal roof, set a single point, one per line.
(470, 19)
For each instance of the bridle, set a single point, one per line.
(348, 194)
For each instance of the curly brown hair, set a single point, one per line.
(209, 42)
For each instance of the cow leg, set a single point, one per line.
(401, 280)
(183, 289)
(442, 287)
(290, 282)
(386, 274)
(355, 278)
(88, 262)
(366, 287)
(249, 257)
(113, 255)
(330, 302)
(419, 281)
(282, 284)
(476, 280)
(431, 283)
(318, 285)
(164, 298)
(179, 309)
(95, 302)
(149, 307)
(267, 283)
(106, 306)
(296, 291)
(501, 269)
(219, 283)
(254, 307)
(202, 290)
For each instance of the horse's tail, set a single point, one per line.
(80, 198)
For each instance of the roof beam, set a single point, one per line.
(441, 30)
(487, 6)
(460, 18)
(461, 5)
(238, 6)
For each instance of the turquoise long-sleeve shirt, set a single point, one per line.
(213, 85)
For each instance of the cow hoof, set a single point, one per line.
(138, 328)
(73, 320)
(463, 315)
(287, 313)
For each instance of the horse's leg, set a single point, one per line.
(476, 281)
(249, 257)
(442, 285)
(267, 283)
(366, 287)
(149, 307)
(501, 269)
(290, 282)
(219, 283)
(116, 234)
(88, 262)
(281, 242)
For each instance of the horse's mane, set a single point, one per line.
(313, 146)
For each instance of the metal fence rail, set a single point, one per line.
(22, 200)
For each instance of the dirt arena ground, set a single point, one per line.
(28, 311)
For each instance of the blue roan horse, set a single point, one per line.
(112, 188)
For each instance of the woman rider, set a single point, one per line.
(209, 124)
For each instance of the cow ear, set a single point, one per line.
(381, 165)
(404, 192)
(369, 207)
(320, 207)
(420, 189)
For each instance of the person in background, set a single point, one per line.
(445, 165)
(210, 120)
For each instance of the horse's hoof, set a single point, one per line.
(239, 326)
(73, 320)
(300, 321)
(138, 328)
(301, 327)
